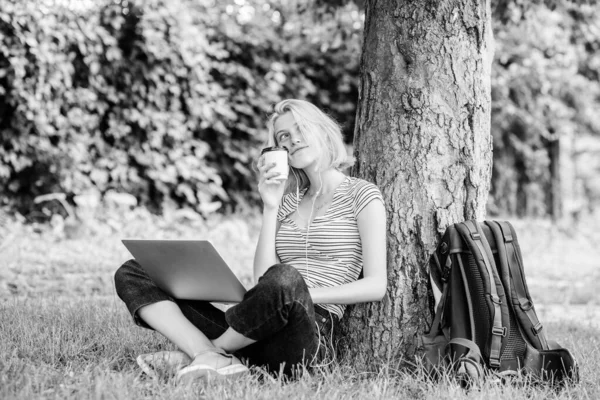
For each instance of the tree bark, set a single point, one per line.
(555, 195)
(423, 137)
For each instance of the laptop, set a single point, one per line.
(187, 269)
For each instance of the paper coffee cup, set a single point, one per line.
(279, 156)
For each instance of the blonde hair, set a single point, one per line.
(320, 130)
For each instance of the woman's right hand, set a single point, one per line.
(270, 186)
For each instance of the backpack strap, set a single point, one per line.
(439, 275)
(435, 272)
(468, 367)
(498, 331)
(469, 344)
(436, 325)
(518, 280)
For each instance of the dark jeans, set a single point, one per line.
(278, 312)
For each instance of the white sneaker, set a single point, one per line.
(228, 366)
(163, 364)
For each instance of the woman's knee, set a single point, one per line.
(285, 276)
(126, 274)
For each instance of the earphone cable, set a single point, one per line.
(330, 356)
(308, 223)
(329, 348)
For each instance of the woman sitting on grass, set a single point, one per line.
(314, 242)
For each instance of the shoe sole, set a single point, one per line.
(232, 371)
(205, 372)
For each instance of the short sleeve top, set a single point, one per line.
(329, 252)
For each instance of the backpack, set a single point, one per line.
(484, 319)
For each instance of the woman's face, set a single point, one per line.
(301, 154)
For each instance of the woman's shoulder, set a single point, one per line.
(359, 184)
(362, 193)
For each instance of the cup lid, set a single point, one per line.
(274, 148)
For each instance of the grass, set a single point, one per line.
(65, 334)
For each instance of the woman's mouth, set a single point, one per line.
(298, 149)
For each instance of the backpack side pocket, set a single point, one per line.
(554, 365)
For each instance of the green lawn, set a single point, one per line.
(65, 334)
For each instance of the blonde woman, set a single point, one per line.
(315, 241)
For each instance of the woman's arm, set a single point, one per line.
(265, 255)
(271, 191)
(373, 285)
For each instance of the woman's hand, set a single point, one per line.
(270, 186)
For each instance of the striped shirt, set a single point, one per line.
(329, 252)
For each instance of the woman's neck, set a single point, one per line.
(323, 181)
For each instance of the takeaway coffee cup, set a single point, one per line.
(279, 156)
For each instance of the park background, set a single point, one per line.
(143, 119)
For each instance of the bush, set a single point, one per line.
(167, 100)
(163, 99)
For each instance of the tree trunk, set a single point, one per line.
(555, 197)
(423, 137)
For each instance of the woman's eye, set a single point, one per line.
(284, 136)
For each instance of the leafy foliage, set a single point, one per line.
(504, 11)
(167, 100)
(163, 99)
(545, 92)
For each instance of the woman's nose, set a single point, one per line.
(295, 140)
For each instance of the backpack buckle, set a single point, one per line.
(475, 235)
(444, 247)
(525, 305)
(494, 363)
(537, 328)
(499, 331)
(496, 299)
(446, 275)
(446, 269)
